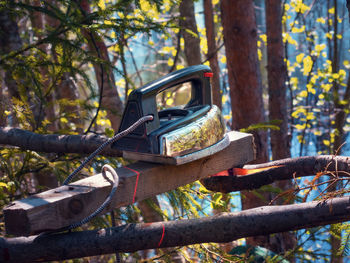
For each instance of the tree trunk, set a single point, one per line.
(240, 38)
(276, 70)
(212, 52)
(280, 142)
(190, 33)
(340, 117)
(9, 41)
(104, 75)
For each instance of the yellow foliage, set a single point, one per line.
(320, 47)
(299, 6)
(300, 126)
(63, 120)
(326, 142)
(259, 54)
(294, 81)
(167, 5)
(263, 37)
(149, 9)
(298, 111)
(317, 133)
(307, 63)
(321, 20)
(303, 94)
(329, 35)
(331, 10)
(342, 73)
(299, 57)
(310, 89)
(101, 4)
(170, 62)
(310, 116)
(223, 59)
(298, 30)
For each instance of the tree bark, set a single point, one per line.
(276, 73)
(9, 41)
(280, 142)
(54, 143)
(212, 52)
(110, 98)
(249, 178)
(240, 38)
(133, 237)
(190, 33)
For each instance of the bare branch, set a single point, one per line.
(54, 143)
(276, 171)
(133, 237)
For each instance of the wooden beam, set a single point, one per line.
(65, 205)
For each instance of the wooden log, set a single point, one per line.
(65, 205)
(223, 227)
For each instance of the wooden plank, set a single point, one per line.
(65, 205)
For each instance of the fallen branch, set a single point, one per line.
(224, 227)
(54, 143)
(255, 176)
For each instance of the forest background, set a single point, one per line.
(281, 71)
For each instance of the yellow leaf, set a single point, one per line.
(326, 142)
(223, 60)
(331, 10)
(342, 73)
(263, 37)
(320, 47)
(335, 75)
(298, 30)
(321, 20)
(3, 184)
(101, 4)
(299, 57)
(303, 94)
(317, 133)
(300, 127)
(307, 62)
(259, 54)
(63, 120)
(170, 62)
(339, 36)
(329, 35)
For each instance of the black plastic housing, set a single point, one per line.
(142, 102)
